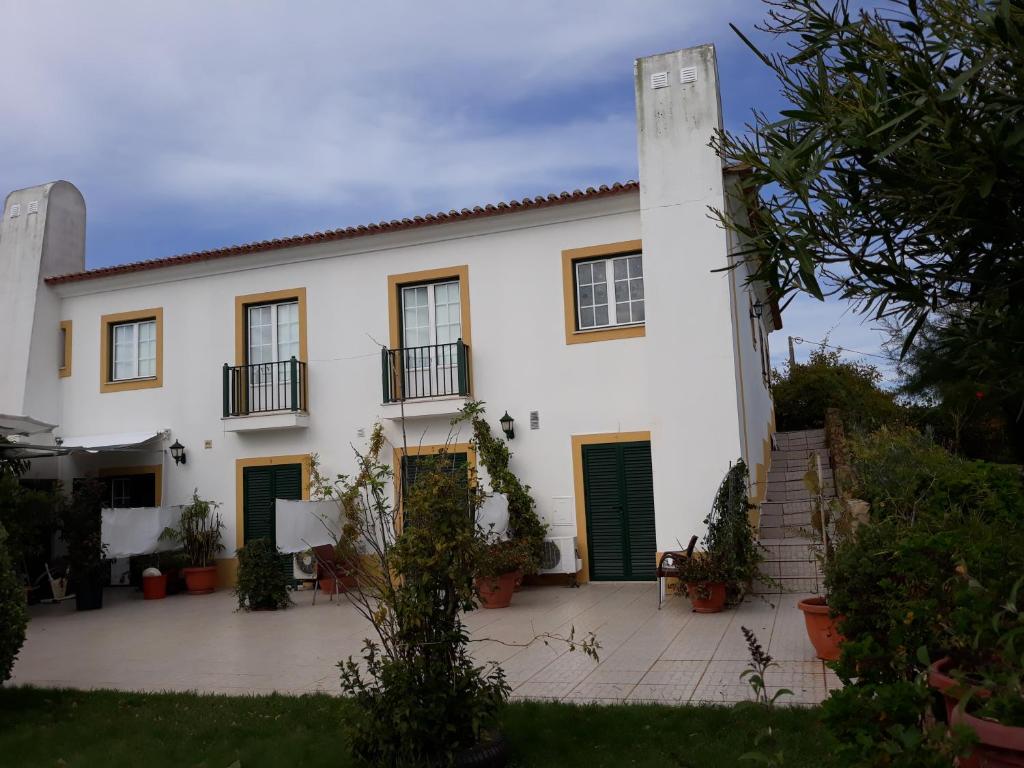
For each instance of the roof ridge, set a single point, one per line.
(346, 233)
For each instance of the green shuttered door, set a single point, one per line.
(260, 486)
(619, 499)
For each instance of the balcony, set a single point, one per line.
(260, 396)
(432, 380)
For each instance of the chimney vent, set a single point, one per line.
(33, 206)
(688, 75)
(659, 80)
(16, 210)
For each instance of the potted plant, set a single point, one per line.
(82, 535)
(262, 585)
(705, 580)
(499, 563)
(199, 533)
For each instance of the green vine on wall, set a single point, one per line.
(492, 452)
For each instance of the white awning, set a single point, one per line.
(22, 425)
(122, 441)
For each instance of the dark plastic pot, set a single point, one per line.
(89, 594)
(490, 752)
(715, 600)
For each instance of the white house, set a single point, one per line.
(599, 320)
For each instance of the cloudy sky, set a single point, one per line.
(192, 125)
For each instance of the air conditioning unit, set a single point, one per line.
(561, 555)
(303, 566)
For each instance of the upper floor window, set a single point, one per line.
(131, 350)
(610, 292)
(273, 332)
(134, 346)
(604, 292)
(64, 353)
(431, 314)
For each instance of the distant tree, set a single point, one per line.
(803, 391)
(895, 178)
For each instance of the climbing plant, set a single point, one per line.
(524, 524)
(730, 535)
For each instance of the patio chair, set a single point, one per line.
(668, 566)
(327, 567)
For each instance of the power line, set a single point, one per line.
(800, 340)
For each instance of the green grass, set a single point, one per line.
(42, 728)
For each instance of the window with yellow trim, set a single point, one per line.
(604, 292)
(131, 350)
(64, 360)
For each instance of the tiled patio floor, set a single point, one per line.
(201, 643)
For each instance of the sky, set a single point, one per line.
(191, 125)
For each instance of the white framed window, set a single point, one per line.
(120, 492)
(431, 315)
(134, 348)
(273, 332)
(610, 292)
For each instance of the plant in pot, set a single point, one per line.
(199, 533)
(705, 579)
(82, 535)
(499, 564)
(262, 584)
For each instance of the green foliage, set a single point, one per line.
(730, 537)
(895, 177)
(757, 670)
(81, 531)
(262, 584)
(902, 473)
(803, 392)
(499, 556)
(524, 524)
(29, 516)
(198, 531)
(13, 613)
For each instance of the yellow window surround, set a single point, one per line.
(107, 384)
(153, 469)
(65, 370)
(569, 258)
(397, 282)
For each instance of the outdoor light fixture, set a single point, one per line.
(178, 452)
(757, 309)
(507, 423)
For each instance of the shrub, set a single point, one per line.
(262, 584)
(802, 393)
(901, 472)
(13, 614)
(198, 531)
(730, 537)
(81, 531)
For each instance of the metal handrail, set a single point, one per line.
(432, 370)
(265, 387)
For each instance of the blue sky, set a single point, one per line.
(188, 126)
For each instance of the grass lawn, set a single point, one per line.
(43, 728)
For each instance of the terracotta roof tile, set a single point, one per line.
(362, 230)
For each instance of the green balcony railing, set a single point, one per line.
(434, 370)
(265, 388)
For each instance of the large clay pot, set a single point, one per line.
(821, 628)
(154, 587)
(999, 746)
(496, 591)
(200, 581)
(715, 600)
(951, 690)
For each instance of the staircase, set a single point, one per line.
(785, 528)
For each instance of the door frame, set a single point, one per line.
(578, 441)
(262, 461)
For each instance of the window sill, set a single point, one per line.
(607, 334)
(121, 385)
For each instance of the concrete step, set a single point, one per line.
(786, 586)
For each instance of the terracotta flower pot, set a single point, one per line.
(519, 580)
(200, 581)
(999, 746)
(154, 587)
(715, 600)
(496, 591)
(951, 690)
(821, 628)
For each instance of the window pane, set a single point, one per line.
(599, 272)
(601, 315)
(622, 313)
(636, 289)
(638, 311)
(635, 266)
(587, 317)
(621, 290)
(620, 269)
(125, 351)
(601, 293)
(583, 273)
(586, 296)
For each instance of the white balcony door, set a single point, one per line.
(273, 341)
(431, 324)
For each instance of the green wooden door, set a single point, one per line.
(618, 490)
(260, 487)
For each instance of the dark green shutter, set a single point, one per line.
(619, 501)
(260, 486)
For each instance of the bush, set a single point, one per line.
(804, 391)
(262, 584)
(900, 472)
(13, 614)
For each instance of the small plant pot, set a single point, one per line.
(154, 587)
(200, 581)
(490, 752)
(999, 746)
(821, 628)
(496, 591)
(715, 600)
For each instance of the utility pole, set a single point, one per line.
(792, 354)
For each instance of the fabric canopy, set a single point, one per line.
(114, 442)
(22, 425)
